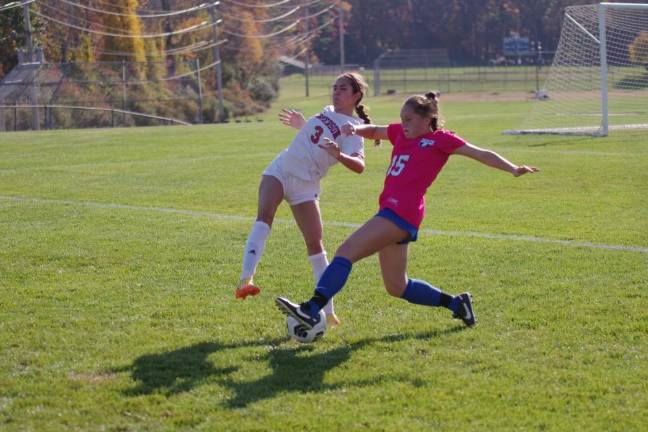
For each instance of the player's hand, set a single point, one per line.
(348, 129)
(524, 169)
(330, 147)
(292, 118)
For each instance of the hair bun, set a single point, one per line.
(432, 95)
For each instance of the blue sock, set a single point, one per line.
(331, 282)
(422, 293)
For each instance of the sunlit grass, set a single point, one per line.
(120, 249)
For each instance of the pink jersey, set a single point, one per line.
(415, 163)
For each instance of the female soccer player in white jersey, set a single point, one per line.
(295, 175)
(420, 150)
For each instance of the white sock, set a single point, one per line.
(319, 264)
(254, 247)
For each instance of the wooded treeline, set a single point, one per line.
(157, 74)
(471, 30)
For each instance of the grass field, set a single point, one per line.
(120, 249)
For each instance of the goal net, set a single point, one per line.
(598, 81)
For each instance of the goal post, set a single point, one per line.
(598, 81)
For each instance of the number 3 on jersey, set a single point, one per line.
(397, 165)
(316, 136)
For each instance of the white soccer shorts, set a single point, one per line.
(296, 190)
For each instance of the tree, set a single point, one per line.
(638, 49)
(11, 27)
(130, 25)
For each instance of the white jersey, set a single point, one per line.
(304, 159)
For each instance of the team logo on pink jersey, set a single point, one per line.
(426, 143)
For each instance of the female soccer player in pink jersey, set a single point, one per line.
(420, 150)
(295, 175)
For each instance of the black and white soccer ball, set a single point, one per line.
(300, 333)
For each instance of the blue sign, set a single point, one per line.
(516, 46)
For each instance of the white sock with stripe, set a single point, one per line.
(254, 247)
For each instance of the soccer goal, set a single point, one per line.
(598, 81)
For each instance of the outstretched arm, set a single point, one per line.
(354, 162)
(292, 118)
(365, 130)
(492, 159)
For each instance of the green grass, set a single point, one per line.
(119, 250)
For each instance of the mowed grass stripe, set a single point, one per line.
(140, 162)
(221, 216)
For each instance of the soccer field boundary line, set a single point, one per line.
(239, 218)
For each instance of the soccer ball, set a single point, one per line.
(300, 333)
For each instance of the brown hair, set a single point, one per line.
(359, 85)
(427, 106)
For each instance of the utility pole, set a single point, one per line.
(30, 60)
(124, 92)
(200, 95)
(28, 32)
(217, 60)
(341, 31)
(306, 65)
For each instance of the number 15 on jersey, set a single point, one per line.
(397, 165)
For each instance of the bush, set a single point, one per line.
(262, 91)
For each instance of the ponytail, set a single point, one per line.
(427, 106)
(361, 111)
(434, 98)
(359, 85)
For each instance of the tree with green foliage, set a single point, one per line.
(11, 26)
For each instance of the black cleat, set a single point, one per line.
(465, 310)
(296, 311)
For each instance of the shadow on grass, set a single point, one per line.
(294, 368)
(562, 140)
(180, 370)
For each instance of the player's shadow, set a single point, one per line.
(180, 370)
(294, 368)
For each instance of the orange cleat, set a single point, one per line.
(332, 320)
(243, 291)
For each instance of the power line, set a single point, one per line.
(317, 29)
(292, 25)
(264, 6)
(264, 36)
(317, 13)
(202, 25)
(108, 4)
(185, 50)
(267, 20)
(144, 16)
(15, 4)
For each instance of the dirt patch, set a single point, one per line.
(477, 96)
(96, 378)
(489, 96)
